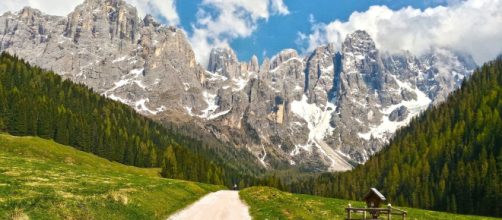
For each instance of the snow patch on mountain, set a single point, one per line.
(219, 114)
(189, 111)
(388, 127)
(126, 80)
(119, 99)
(317, 119)
(211, 104)
(287, 61)
(140, 106)
(216, 77)
(262, 159)
(239, 84)
(210, 112)
(318, 123)
(120, 59)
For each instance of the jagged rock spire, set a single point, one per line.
(283, 56)
(105, 19)
(223, 61)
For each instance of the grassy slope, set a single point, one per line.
(41, 179)
(270, 203)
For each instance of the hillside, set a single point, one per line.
(41, 179)
(449, 158)
(270, 203)
(40, 103)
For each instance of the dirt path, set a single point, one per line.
(221, 205)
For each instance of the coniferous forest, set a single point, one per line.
(449, 158)
(39, 103)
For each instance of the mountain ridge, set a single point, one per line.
(329, 110)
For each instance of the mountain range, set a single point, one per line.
(327, 110)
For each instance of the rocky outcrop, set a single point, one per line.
(327, 111)
(224, 62)
(399, 114)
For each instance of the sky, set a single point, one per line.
(265, 27)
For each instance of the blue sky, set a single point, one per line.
(281, 31)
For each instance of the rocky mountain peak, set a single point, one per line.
(109, 6)
(361, 57)
(28, 12)
(358, 42)
(223, 61)
(254, 65)
(265, 66)
(319, 69)
(283, 56)
(150, 20)
(99, 3)
(328, 48)
(103, 19)
(30, 16)
(360, 35)
(93, 2)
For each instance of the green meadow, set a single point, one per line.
(40, 179)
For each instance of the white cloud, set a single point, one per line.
(158, 8)
(53, 7)
(231, 19)
(279, 7)
(165, 9)
(312, 19)
(472, 26)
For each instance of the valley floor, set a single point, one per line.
(40, 179)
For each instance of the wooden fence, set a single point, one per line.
(374, 213)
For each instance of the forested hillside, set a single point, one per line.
(39, 103)
(449, 158)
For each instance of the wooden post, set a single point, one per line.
(389, 215)
(364, 214)
(404, 216)
(348, 212)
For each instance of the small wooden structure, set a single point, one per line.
(373, 200)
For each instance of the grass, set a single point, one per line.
(40, 179)
(270, 203)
